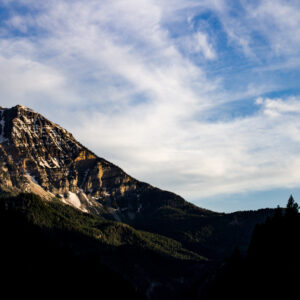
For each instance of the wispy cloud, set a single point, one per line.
(145, 84)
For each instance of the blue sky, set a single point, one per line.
(198, 97)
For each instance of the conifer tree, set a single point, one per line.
(292, 207)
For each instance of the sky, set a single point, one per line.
(199, 97)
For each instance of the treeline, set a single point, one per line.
(270, 270)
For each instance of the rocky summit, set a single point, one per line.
(39, 156)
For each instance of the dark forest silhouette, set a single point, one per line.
(270, 269)
(36, 262)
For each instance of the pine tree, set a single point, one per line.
(292, 207)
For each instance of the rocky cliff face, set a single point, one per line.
(39, 156)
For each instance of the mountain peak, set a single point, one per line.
(21, 107)
(18, 107)
(21, 125)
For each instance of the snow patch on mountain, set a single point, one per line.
(32, 178)
(44, 163)
(2, 123)
(34, 187)
(55, 162)
(74, 200)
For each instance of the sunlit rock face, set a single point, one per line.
(39, 156)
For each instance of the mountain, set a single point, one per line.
(154, 239)
(39, 156)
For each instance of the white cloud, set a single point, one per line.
(280, 22)
(113, 74)
(276, 107)
(274, 21)
(21, 77)
(198, 43)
